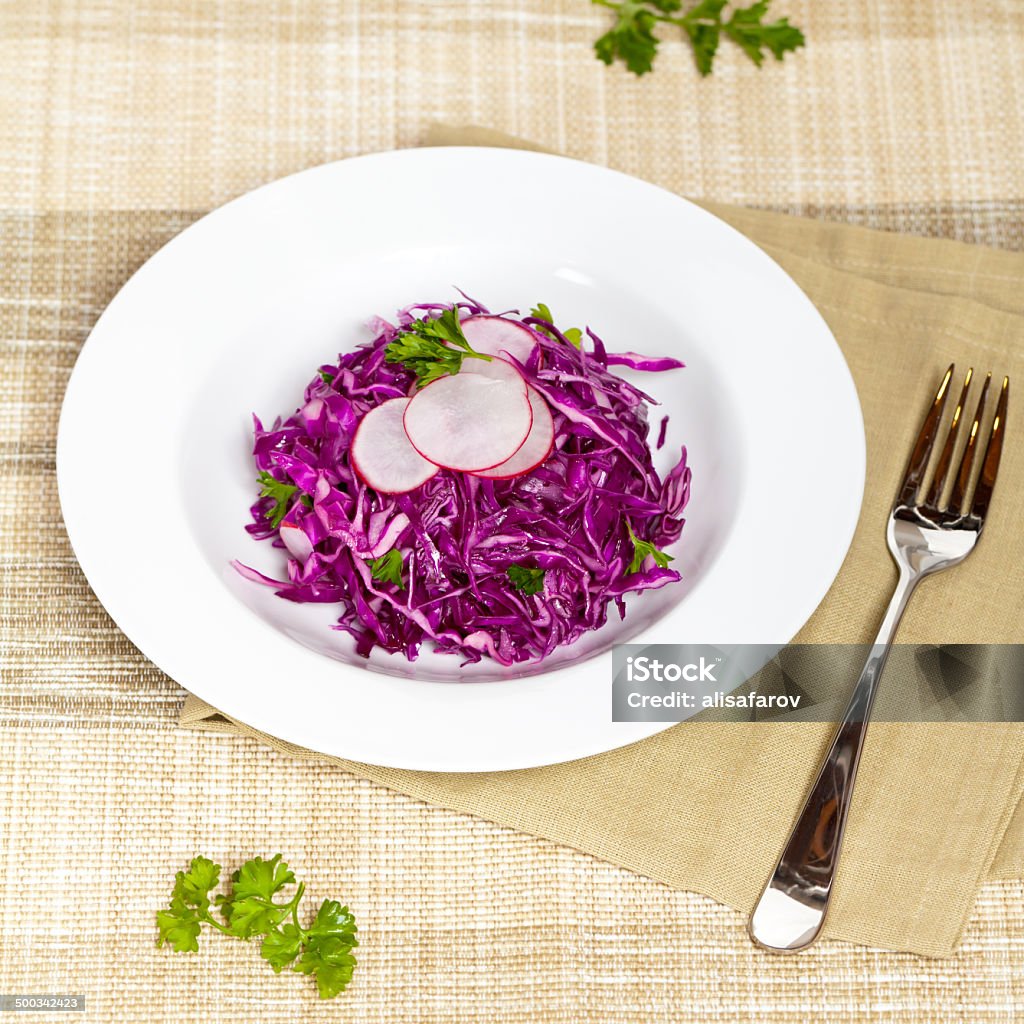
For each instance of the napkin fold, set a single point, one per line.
(707, 806)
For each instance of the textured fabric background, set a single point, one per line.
(119, 125)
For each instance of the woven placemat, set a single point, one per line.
(119, 125)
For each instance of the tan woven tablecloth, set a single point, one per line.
(119, 125)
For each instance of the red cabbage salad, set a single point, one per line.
(479, 483)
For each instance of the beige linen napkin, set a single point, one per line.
(706, 806)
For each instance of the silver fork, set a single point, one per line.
(926, 534)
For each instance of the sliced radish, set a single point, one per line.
(494, 336)
(382, 453)
(537, 446)
(471, 421)
(295, 540)
(495, 367)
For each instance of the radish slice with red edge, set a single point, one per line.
(295, 540)
(536, 448)
(498, 369)
(495, 336)
(382, 454)
(471, 421)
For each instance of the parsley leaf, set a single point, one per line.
(641, 550)
(387, 568)
(281, 947)
(194, 885)
(262, 878)
(252, 916)
(703, 26)
(332, 937)
(326, 377)
(432, 348)
(529, 581)
(746, 27)
(250, 909)
(323, 950)
(334, 919)
(180, 923)
(632, 40)
(179, 926)
(330, 961)
(573, 335)
(705, 45)
(280, 492)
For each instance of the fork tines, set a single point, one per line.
(925, 444)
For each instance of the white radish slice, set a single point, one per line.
(471, 421)
(382, 454)
(537, 446)
(295, 540)
(499, 369)
(494, 336)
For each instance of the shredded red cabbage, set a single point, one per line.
(458, 534)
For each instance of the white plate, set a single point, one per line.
(233, 316)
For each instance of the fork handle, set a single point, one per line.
(790, 913)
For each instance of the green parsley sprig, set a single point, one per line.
(387, 568)
(529, 581)
(432, 347)
(632, 40)
(573, 335)
(324, 949)
(282, 493)
(643, 549)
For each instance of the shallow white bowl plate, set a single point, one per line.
(233, 317)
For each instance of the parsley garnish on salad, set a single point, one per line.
(529, 581)
(573, 335)
(432, 348)
(641, 550)
(387, 568)
(323, 949)
(282, 494)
